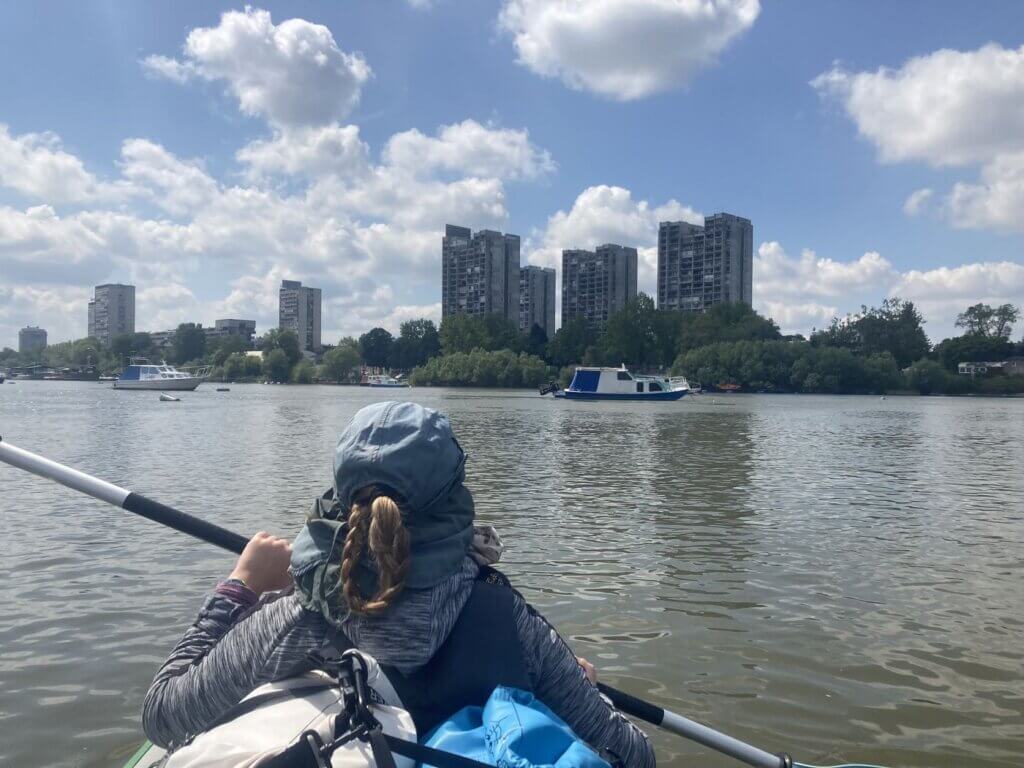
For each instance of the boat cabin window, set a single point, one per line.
(639, 386)
(654, 387)
(624, 376)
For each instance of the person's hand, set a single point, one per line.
(263, 564)
(588, 669)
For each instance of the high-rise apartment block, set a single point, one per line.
(595, 284)
(537, 299)
(699, 267)
(112, 312)
(299, 311)
(31, 339)
(479, 273)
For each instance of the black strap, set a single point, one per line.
(428, 755)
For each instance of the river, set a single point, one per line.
(841, 578)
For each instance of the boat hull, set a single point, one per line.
(388, 386)
(670, 395)
(159, 385)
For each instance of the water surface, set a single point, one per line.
(837, 577)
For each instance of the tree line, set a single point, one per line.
(878, 349)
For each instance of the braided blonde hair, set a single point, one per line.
(375, 518)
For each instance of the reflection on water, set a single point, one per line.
(837, 577)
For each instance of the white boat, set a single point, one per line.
(159, 377)
(621, 384)
(380, 380)
(165, 398)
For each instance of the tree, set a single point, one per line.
(895, 327)
(536, 342)
(303, 372)
(570, 342)
(189, 343)
(464, 333)
(927, 377)
(417, 342)
(983, 320)
(729, 321)
(972, 348)
(286, 341)
(121, 346)
(631, 335)
(341, 362)
(375, 347)
(276, 366)
(224, 347)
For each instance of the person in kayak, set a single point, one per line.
(385, 563)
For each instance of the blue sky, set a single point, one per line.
(204, 151)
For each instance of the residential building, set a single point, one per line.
(246, 329)
(112, 312)
(537, 299)
(299, 311)
(31, 339)
(699, 267)
(479, 273)
(596, 284)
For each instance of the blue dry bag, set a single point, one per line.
(516, 730)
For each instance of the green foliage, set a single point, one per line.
(189, 343)
(536, 341)
(570, 342)
(239, 366)
(972, 348)
(342, 362)
(464, 333)
(276, 366)
(723, 322)
(895, 327)
(482, 368)
(284, 340)
(375, 347)
(984, 320)
(633, 335)
(303, 373)
(928, 377)
(784, 366)
(221, 349)
(417, 342)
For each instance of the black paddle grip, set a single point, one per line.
(180, 521)
(631, 705)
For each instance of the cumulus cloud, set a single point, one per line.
(469, 148)
(37, 166)
(807, 291)
(292, 73)
(310, 152)
(623, 49)
(947, 108)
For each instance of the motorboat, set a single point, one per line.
(621, 384)
(142, 375)
(382, 380)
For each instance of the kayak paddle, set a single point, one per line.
(234, 542)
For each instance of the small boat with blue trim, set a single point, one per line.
(141, 375)
(620, 384)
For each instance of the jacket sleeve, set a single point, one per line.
(228, 651)
(559, 681)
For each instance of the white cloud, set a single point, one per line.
(806, 292)
(469, 148)
(310, 152)
(37, 166)
(623, 49)
(917, 202)
(948, 108)
(292, 73)
(176, 186)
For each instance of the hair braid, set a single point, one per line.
(376, 518)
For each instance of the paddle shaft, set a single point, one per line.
(121, 497)
(222, 537)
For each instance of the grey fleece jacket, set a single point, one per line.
(234, 647)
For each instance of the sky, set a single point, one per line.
(204, 152)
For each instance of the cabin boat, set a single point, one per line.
(381, 380)
(141, 375)
(621, 384)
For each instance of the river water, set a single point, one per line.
(838, 577)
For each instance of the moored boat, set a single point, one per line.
(142, 375)
(382, 380)
(620, 384)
